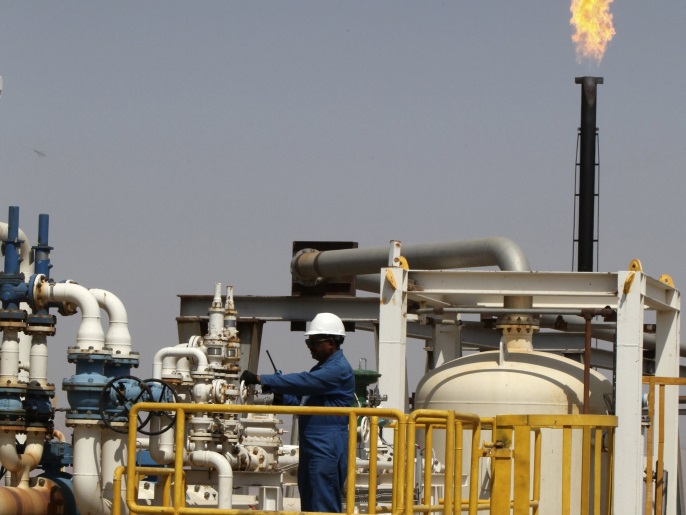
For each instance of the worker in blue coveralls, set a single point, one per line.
(323, 439)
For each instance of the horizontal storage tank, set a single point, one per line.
(509, 383)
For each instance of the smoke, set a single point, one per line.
(592, 21)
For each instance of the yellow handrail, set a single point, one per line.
(515, 462)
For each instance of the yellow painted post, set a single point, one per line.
(474, 469)
(167, 491)
(179, 437)
(537, 470)
(428, 462)
(399, 452)
(449, 463)
(597, 469)
(660, 467)
(457, 476)
(116, 485)
(409, 466)
(566, 470)
(649, 446)
(522, 469)
(585, 470)
(373, 441)
(352, 447)
(502, 471)
(610, 470)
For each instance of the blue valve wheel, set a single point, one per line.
(160, 391)
(118, 397)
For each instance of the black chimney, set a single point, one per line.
(587, 165)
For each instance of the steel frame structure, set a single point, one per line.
(631, 294)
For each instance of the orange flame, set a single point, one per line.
(593, 23)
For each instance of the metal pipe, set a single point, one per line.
(36, 500)
(587, 164)
(197, 355)
(90, 334)
(497, 251)
(224, 475)
(20, 465)
(87, 461)
(117, 337)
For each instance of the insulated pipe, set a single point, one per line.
(118, 337)
(497, 251)
(86, 478)
(36, 500)
(90, 335)
(224, 474)
(38, 362)
(587, 162)
(9, 356)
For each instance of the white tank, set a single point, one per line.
(514, 382)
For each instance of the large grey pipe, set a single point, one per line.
(310, 265)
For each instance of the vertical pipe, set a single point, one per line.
(587, 163)
(12, 242)
(42, 255)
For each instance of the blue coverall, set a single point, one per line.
(323, 439)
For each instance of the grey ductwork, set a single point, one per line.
(311, 265)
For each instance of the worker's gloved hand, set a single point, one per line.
(249, 378)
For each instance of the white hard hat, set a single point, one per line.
(326, 323)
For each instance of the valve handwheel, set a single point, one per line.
(160, 391)
(118, 397)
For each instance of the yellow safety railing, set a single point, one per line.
(454, 425)
(516, 468)
(656, 418)
(515, 455)
(175, 473)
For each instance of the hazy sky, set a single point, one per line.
(179, 144)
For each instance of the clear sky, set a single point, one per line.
(178, 144)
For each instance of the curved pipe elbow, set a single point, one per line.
(118, 337)
(26, 263)
(90, 333)
(496, 251)
(21, 463)
(196, 355)
(224, 474)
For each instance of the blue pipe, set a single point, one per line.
(42, 250)
(11, 248)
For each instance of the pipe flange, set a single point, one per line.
(41, 323)
(38, 292)
(12, 318)
(518, 323)
(295, 273)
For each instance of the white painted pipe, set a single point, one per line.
(196, 355)
(9, 356)
(117, 337)
(224, 475)
(161, 446)
(25, 256)
(26, 267)
(114, 450)
(38, 363)
(90, 334)
(88, 490)
(21, 465)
